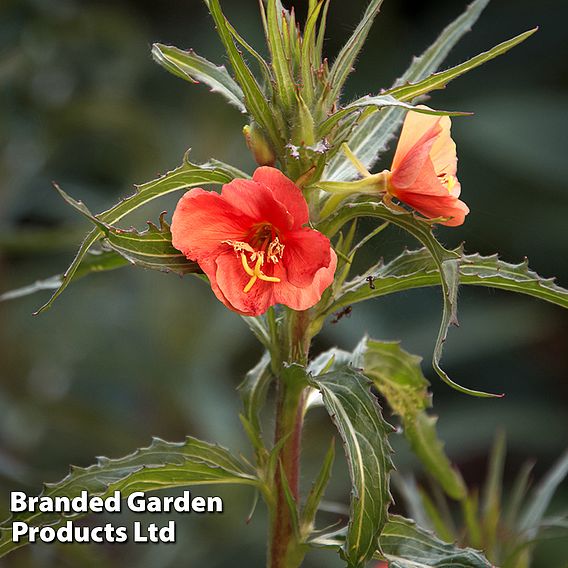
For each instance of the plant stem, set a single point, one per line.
(285, 551)
(289, 421)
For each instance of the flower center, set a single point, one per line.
(263, 246)
(448, 180)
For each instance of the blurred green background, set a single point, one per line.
(130, 354)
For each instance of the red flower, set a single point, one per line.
(423, 172)
(251, 243)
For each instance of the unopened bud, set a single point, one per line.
(258, 145)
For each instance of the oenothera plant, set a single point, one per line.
(278, 248)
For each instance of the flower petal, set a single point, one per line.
(202, 220)
(408, 164)
(306, 252)
(231, 280)
(433, 206)
(258, 202)
(209, 266)
(443, 153)
(285, 191)
(308, 296)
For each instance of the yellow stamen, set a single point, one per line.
(451, 183)
(273, 252)
(257, 273)
(247, 268)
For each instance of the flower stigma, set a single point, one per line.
(270, 250)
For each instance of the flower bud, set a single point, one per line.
(259, 145)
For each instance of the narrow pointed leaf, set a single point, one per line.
(541, 497)
(255, 100)
(308, 55)
(185, 176)
(196, 69)
(318, 55)
(253, 394)
(281, 63)
(376, 130)
(159, 466)
(93, 261)
(150, 249)
(379, 101)
(343, 65)
(316, 493)
(398, 377)
(416, 269)
(405, 545)
(436, 81)
(445, 261)
(356, 414)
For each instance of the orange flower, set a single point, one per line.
(252, 243)
(423, 172)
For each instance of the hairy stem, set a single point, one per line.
(285, 551)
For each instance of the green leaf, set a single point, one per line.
(185, 176)
(376, 130)
(541, 497)
(410, 91)
(318, 55)
(379, 101)
(159, 466)
(196, 69)
(343, 64)
(398, 377)
(151, 249)
(446, 262)
(255, 100)
(356, 414)
(416, 269)
(492, 494)
(253, 391)
(316, 493)
(93, 261)
(405, 545)
(310, 58)
(281, 61)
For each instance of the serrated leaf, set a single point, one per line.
(416, 269)
(159, 466)
(377, 102)
(376, 130)
(445, 260)
(185, 176)
(94, 261)
(410, 91)
(150, 249)
(398, 376)
(356, 414)
(255, 101)
(196, 69)
(345, 60)
(405, 545)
